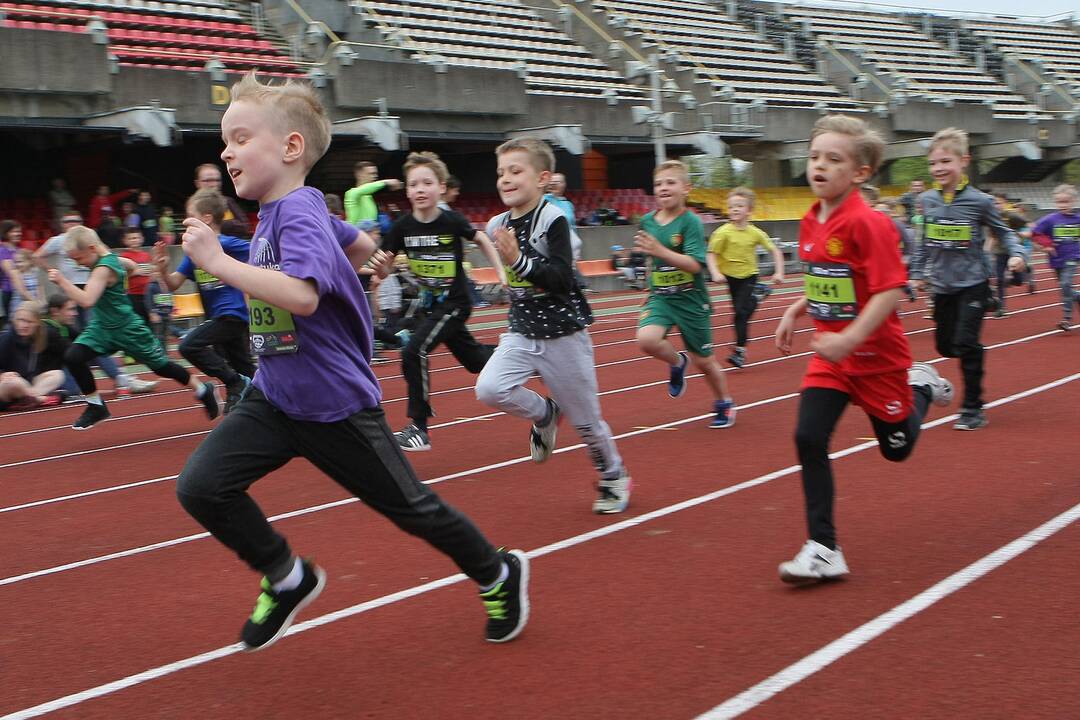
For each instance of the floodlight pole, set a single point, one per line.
(657, 120)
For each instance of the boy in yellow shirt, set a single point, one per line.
(733, 254)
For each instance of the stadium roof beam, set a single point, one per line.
(382, 130)
(153, 122)
(800, 150)
(1010, 148)
(568, 137)
(709, 143)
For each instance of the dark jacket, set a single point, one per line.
(17, 354)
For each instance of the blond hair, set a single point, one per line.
(540, 154)
(34, 308)
(428, 160)
(951, 140)
(1066, 189)
(209, 201)
(869, 145)
(81, 237)
(677, 166)
(745, 193)
(296, 108)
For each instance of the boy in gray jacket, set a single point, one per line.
(954, 215)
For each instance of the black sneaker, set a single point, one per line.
(542, 437)
(209, 400)
(677, 379)
(274, 611)
(507, 603)
(92, 415)
(971, 420)
(738, 358)
(235, 392)
(413, 439)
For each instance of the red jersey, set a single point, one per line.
(137, 283)
(847, 259)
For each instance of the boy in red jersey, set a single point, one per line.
(854, 278)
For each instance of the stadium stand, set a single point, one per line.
(1054, 45)
(172, 35)
(489, 34)
(740, 63)
(915, 62)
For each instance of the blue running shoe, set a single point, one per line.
(677, 382)
(725, 414)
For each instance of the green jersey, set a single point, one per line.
(685, 234)
(113, 309)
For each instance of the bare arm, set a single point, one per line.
(778, 265)
(299, 297)
(360, 251)
(714, 269)
(88, 295)
(16, 278)
(488, 248)
(834, 347)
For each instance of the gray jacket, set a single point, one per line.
(953, 239)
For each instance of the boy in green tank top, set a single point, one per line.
(114, 326)
(674, 238)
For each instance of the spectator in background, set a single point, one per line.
(555, 195)
(359, 200)
(148, 218)
(31, 361)
(104, 199)
(453, 190)
(334, 206)
(31, 290)
(916, 188)
(53, 255)
(10, 278)
(208, 176)
(166, 226)
(129, 218)
(109, 229)
(61, 202)
(138, 278)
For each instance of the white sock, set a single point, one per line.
(199, 392)
(122, 380)
(292, 580)
(95, 399)
(503, 574)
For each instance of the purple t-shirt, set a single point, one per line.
(6, 253)
(329, 377)
(1064, 230)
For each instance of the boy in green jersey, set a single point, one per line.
(674, 238)
(114, 326)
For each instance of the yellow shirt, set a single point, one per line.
(736, 250)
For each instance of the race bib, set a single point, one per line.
(948, 235)
(830, 291)
(162, 300)
(1066, 233)
(434, 270)
(669, 280)
(206, 281)
(519, 286)
(273, 331)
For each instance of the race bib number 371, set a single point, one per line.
(273, 330)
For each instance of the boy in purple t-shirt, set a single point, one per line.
(314, 395)
(1059, 233)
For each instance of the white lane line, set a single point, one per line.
(489, 416)
(848, 643)
(558, 546)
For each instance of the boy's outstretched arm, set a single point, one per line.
(837, 346)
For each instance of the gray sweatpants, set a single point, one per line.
(567, 367)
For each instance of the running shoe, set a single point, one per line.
(725, 414)
(209, 400)
(235, 392)
(614, 494)
(53, 399)
(91, 415)
(404, 336)
(1064, 325)
(507, 603)
(971, 420)
(542, 437)
(138, 386)
(413, 439)
(677, 381)
(941, 390)
(737, 358)
(813, 563)
(275, 610)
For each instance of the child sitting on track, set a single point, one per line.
(674, 238)
(219, 346)
(314, 395)
(548, 317)
(854, 278)
(114, 326)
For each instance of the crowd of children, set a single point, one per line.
(295, 296)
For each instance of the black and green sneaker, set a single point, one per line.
(507, 603)
(274, 611)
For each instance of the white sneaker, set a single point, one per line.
(138, 386)
(814, 562)
(542, 439)
(614, 494)
(941, 390)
